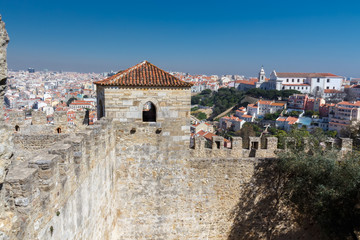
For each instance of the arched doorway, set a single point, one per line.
(17, 128)
(101, 109)
(58, 130)
(149, 112)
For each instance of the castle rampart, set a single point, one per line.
(64, 192)
(131, 175)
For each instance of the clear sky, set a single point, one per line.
(210, 37)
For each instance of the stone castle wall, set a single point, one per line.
(38, 123)
(4, 40)
(169, 194)
(117, 180)
(172, 109)
(63, 192)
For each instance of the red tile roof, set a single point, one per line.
(246, 82)
(304, 75)
(357, 103)
(144, 74)
(300, 84)
(332, 91)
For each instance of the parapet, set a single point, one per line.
(43, 183)
(59, 121)
(258, 148)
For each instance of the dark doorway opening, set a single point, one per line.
(101, 109)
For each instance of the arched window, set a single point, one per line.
(149, 112)
(101, 109)
(17, 128)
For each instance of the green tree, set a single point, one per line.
(70, 100)
(245, 132)
(206, 92)
(201, 116)
(195, 99)
(323, 188)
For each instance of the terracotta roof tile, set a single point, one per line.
(357, 103)
(300, 84)
(143, 74)
(332, 91)
(304, 75)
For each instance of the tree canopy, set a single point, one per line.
(270, 94)
(70, 100)
(323, 187)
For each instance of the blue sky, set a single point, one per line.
(210, 37)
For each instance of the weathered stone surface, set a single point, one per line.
(4, 40)
(5, 144)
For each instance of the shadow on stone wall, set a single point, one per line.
(261, 214)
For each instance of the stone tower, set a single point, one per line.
(147, 96)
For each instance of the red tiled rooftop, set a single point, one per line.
(332, 91)
(304, 75)
(264, 102)
(357, 103)
(278, 104)
(300, 84)
(143, 74)
(246, 82)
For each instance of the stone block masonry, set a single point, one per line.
(4, 40)
(172, 109)
(118, 180)
(65, 192)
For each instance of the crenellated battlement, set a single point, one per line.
(68, 177)
(39, 189)
(258, 148)
(48, 124)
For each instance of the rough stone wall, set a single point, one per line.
(65, 191)
(172, 109)
(4, 40)
(171, 195)
(204, 193)
(28, 142)
(38, 118)
(6, 146)
(110, 182)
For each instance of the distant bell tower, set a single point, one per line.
(261, 75)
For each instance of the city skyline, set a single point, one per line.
(199, 38)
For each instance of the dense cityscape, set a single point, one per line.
(318, 100)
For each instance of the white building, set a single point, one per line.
(312, 83)
(263, 107)
(286, 122)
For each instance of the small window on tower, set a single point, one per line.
(149, 112)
